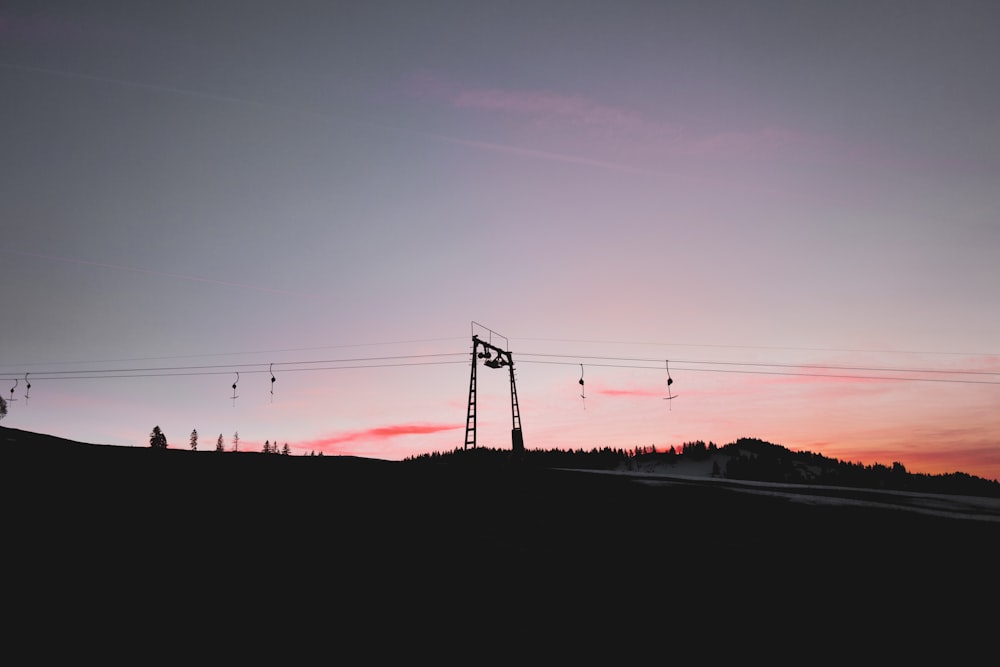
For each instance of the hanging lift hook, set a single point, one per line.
(670, 395)
(583, 389)
(273, 379)
(234, 388)
(27, 390)
(12, 399)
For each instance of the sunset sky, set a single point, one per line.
(791, 206)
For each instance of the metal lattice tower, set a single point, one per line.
(494, 357)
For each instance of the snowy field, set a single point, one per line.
(700, 473)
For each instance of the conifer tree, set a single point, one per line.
(219, 447)
(236, 441)
(157, 439)
(194, 440)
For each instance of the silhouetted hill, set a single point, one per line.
(258, 537)
(763, 461)
(744, 459)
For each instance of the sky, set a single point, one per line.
(789, 209)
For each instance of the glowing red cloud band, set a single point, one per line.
(377, 433)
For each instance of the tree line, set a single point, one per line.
(746, 459)
(158, 440)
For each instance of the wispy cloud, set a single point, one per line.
(616, 122)
(986, 364)
(624, 122)
(811, 377)
(549, 155)
(615, 129)
(973, 371)
(374, 434)
(575, 108)
(610, 391)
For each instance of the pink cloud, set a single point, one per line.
(378, 433)
(988, 364)
(625, 129)
(984, 369)
(810, 377)
(546, 103)
(579, 110)
(575, 113)
(630, 392)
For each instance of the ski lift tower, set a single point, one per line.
(493, 357)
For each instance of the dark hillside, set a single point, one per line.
(243, 528)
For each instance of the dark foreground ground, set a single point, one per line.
(276, 539)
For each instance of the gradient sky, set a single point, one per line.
(760, 194)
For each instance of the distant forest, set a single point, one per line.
(745, 459)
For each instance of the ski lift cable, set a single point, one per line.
(784, 373)
(880, 369)
(228, 354)
(768, 368)
(780, 348)
(153, 369)
(113, 375)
